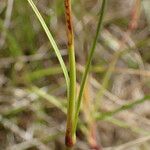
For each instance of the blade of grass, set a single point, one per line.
(52, 41)
(88, 64)
(35, 75)
(122, 108)
(48, 97)
(124, 124)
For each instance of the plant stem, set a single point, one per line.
(70, 136)
(88, 64)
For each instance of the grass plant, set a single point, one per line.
(73, 107)
(66, 83)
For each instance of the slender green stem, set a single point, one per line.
(52, 41)
(70, 136)
(87, 68)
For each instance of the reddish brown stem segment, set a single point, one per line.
(70, 135)
(135, 14)
(69, 22)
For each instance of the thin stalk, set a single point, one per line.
(88, 64)
(52, 41)
(70, 136)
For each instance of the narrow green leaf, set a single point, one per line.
(49, 98)
(122, 108)
(88, 64)
(52, 41)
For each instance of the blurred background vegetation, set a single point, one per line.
(116, 110)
